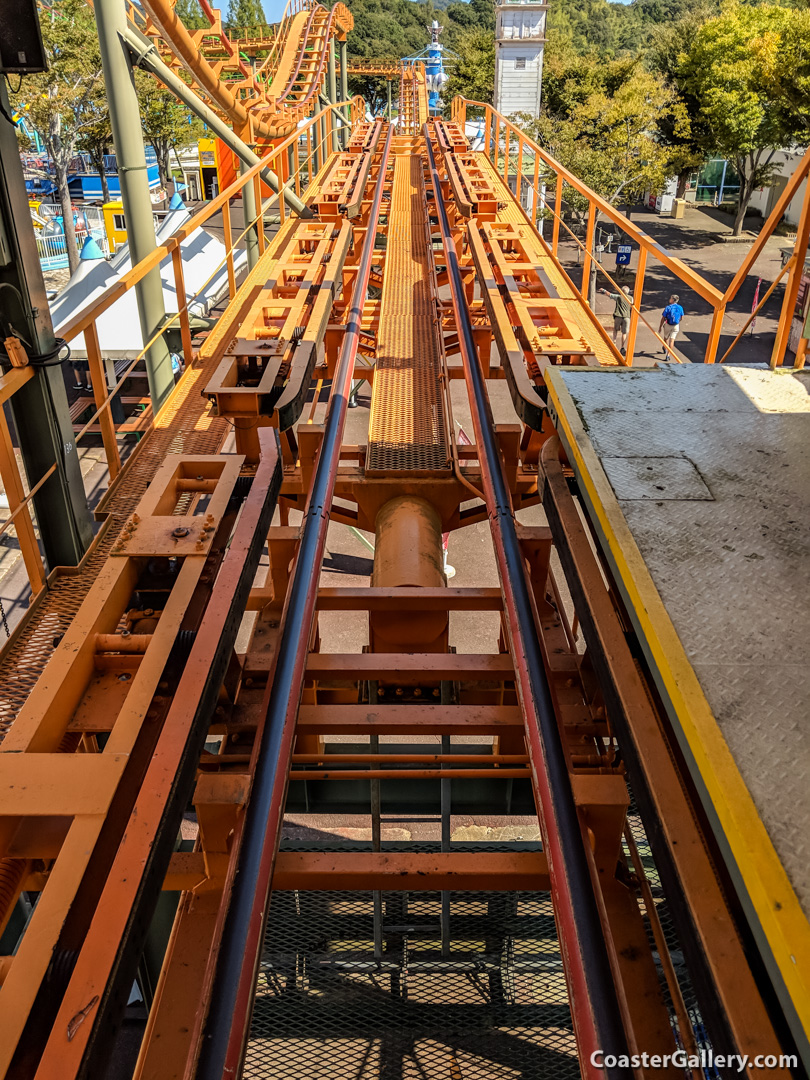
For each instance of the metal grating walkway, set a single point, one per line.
(183, 426)
(492, 1006)
(407, 429)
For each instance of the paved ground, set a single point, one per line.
(695, 240)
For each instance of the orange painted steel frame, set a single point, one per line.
(498, 132)
(85, 323)
(83, 789)
(122, 805)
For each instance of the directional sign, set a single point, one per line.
(623, 255)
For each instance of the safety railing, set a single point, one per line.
(512, 153)
(299, 157)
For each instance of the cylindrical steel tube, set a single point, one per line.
(408, 552)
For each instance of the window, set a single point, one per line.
(118, 223)
(520, 63)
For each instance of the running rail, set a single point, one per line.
(594, 1006)
(240, 949)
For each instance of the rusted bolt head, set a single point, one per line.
(179, 533)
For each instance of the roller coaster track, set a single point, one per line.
(160, 694)
(262, 104)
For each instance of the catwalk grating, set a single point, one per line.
(183, 426)
(492, 1006)
(407, 429)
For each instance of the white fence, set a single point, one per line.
(52, 250)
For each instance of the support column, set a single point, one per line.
(249, 210)
(344, 89)
(389, 99)
(40, 408)
(128, 138)
(332, 78)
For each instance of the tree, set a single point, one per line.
(167, 124)
(601, 121)
(689, 145)
(96, 137)
(59, 100)
(243, 14)
(473, 75)
(190, 12)
(747, 69)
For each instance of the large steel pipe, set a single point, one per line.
(594, 1003)
(237, 963)
(408, 554)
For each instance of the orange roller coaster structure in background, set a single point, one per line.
(267, 103)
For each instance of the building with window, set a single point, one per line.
(520, 35)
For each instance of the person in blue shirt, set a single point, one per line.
(671, 321)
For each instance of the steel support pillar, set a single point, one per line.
(40, 408)
(389, 99)
(250, 211)
(344, 89)
(145, 55)
(128, 138)
(332, 78)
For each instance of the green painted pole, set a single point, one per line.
(249, 211)
(332, 78)
(389, 100)
(145, 55)
(126, 122)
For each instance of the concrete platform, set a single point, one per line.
(697, 480)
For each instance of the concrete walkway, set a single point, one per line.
(695, 240)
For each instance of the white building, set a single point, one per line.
(764, 199)
(520, 34)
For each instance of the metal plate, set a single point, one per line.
(655, 478)
(733, 571)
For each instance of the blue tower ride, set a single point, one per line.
(434, 67)
(434, 56)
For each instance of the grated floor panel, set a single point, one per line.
(493, 1006)
(183, 426)
(407, 428)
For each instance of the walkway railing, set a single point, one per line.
(299, 157)
(518, 157)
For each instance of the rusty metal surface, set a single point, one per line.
(183, 426)
(407, 430)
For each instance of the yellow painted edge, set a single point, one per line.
(783, 921)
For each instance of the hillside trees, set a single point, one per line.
(190, 12)
(473, 74)
(245, 14)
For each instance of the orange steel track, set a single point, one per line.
(267, 103)
(147, 681)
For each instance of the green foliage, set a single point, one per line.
(245, 14)
(601, 122)
(473, 74)
(191, 14)
(746, 73)
(167, 124)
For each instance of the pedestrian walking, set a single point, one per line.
(670, 323)
(621, 315)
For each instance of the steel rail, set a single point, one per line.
(595, 1007)
(237, 964)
